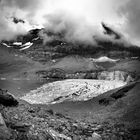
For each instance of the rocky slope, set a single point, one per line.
(104, 117)
(98, 75)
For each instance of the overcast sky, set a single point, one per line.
(82, 18)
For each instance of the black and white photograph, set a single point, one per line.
(69, 69)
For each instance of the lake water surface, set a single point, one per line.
(21, 87)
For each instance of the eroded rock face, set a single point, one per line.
(102, 75)
(115, 75)
(105, 75)
(73, 89)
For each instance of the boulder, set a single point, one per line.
(96, 136)
(56, 136)
(21, 127)
(6, 99)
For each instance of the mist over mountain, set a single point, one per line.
(81, 20)
(57, 42)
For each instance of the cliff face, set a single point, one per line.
(103, 75)
(116, 75)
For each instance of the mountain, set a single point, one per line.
(110, 31)
(69, 90)
(33, 45)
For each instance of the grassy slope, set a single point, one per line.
(75, 64)
(12, 62)
(128, 65)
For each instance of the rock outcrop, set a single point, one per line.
(98, 75)
(104, 75)
(6, 99)
(115, 75)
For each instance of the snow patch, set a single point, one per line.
(2, 78)
(105, 59)
(26, 46)
(6, 45)
(35, 39)
(17, 43)
(72, 89)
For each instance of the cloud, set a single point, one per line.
(8, 29)
(80, 19)
(61, 22)
(19, 9)
(131, 11)
(21, 4)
